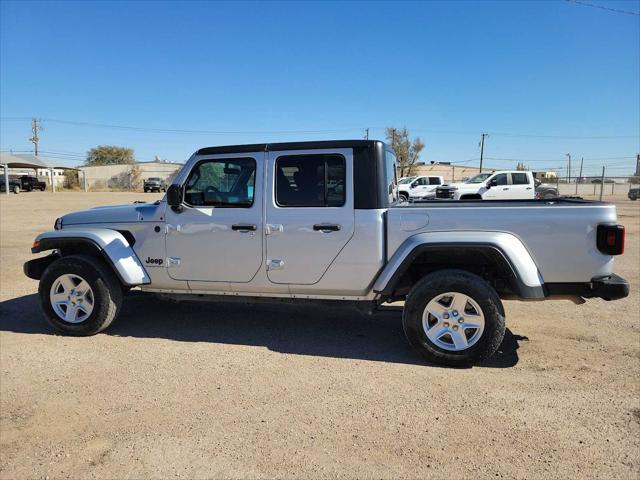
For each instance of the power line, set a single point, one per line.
(350, 129)
(528, 160)
(602, 7)
(196, 132)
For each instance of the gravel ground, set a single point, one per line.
(206, 390)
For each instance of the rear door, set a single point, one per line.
(522, 186)
(309, 212)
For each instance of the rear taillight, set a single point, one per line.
(611, 239)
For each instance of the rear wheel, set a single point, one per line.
(454, 317)
(16, 189)
(80, 295)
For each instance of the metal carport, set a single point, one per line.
(13, 160)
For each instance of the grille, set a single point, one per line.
(444, 193)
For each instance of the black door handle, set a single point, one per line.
(244, 227)
(323, 227)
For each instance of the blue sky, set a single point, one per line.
(551, 72)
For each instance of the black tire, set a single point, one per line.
(107, 294)
(403, 197)
(16, 189)
(473, 286)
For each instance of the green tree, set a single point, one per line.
(109, 155)
(407, 151)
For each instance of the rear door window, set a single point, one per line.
(310, 180)
(520, 179)
(434, 181)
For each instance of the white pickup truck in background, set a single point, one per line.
(420, 187)
(502, 185)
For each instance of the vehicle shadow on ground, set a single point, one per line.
(285, 328)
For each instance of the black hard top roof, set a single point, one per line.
(266, 147)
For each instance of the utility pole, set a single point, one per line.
(366, 136)
(579, 179)
(35, 128)
(393, 137)
(482, 149)
(569, 169)
(637, 165)
(602, 183)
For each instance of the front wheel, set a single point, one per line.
(454, 318)
(16, 189)
(80, 295)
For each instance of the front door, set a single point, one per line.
(501, 191)
(309, 213)
(217, 235)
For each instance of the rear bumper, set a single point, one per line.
(611, 287)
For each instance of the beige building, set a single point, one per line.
(450, 173)
(550, 175)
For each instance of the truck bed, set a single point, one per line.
(435, 203)
(559, 234)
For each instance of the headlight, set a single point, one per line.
(58, 224)
(453, 188)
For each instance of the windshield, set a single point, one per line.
(479, 178)
(406, 180)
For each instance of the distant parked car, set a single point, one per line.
(606, 180)
(634, 194)
(422, 187)
(14, 185)
(154, 184)
(502, 185)
(28, 183)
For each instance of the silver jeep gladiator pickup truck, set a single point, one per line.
(321, 221)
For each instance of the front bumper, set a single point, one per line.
(611, 287)
(36, 267)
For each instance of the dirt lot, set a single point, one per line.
(202, 390)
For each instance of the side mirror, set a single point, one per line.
(414, 184)
(492, 183)
(174, 196)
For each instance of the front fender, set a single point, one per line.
(112, 245)
(526, 279)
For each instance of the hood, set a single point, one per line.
(130, 213)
